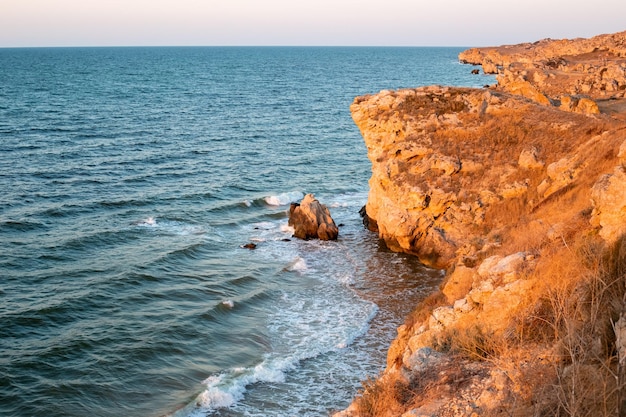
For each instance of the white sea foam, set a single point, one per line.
(312, 332)
(297, 264)
(307, 322)
(285, 228)
(148, 222)
(284, 198)
(226, 389)
(315, 314)
(171, 227)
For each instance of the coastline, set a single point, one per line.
(518, 192)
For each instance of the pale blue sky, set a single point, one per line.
(302, 22)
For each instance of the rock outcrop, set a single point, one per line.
(579, 75)
(312, 220)
(451, 165)
(519, 192)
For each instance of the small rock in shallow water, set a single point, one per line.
(312, 220)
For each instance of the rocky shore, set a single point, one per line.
(518, 191)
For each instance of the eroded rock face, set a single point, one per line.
(576, 75)
(609, 204)
(446, 161)
(312, 220)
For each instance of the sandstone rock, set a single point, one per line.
(431, 409)
(423, 358)
(513, 190)
(459, 283)
(418, 341)
(369, 223)
(503, 269)
(523, 87)
(503, 300)
(529, 159)
(544, 70)
(441, 318)
(561, 174)
(579, 105)
(462, 306)
(454, 181)
(609, 204)
(312, 220)
(481, 292)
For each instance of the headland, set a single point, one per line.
(518, 191)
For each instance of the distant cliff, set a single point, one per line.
(518, 191)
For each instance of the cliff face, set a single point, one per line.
(519, 192)
(452, 166)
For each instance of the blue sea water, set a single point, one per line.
(131, 177)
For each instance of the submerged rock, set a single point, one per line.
(312, 220)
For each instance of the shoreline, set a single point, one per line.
(506, 188)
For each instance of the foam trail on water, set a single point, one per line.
(317, 314)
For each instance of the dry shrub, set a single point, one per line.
(383, 396)
(580, 295)
(471, 342)
(393, 394)
(585, 286)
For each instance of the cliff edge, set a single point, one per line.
(518, 191)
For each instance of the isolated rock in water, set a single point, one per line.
(312, 220)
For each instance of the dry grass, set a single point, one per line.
(392, 394)
(472, 342)
(575, 313)
(569, 320)
(383, 396)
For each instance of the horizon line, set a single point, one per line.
(235, 46)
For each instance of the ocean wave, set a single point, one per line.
(298, 265)
(284, 198)
(20, 226)
(305, 324)
(226, 389)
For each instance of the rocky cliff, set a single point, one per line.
(518, 191)
(583, 75)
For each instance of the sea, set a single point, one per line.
(130, 180)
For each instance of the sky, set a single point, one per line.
(31, 23)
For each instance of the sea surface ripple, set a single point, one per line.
(130, 179)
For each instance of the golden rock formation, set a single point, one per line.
(518, 191)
